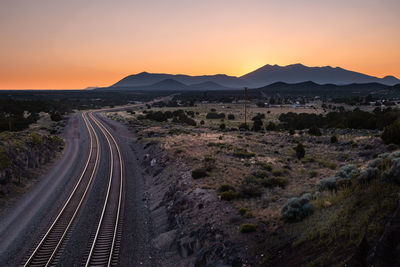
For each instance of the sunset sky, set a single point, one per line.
(59, 44)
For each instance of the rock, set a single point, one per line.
(165, 240)
(327, 204)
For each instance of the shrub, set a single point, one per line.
(375, 163)
(391, 133)
(328, 184)
(260, 104)
(300, 151)
(271, 126)
(314, 130)
(225, 188)
(199, 173)
(209, 159)
(214, 115)
(368, 174)
(242, 211)
(228, 195)
(265, 165)
(35, 139)
(201, 122)
(347, 172)
(183, 118)
(222, 126)
(274, 182)
(243, 127)
(297, 209)
(260, 174)
(243, 153)
(277, 172)
(247, 228)
(393, 174)
(334, 139)
(257, 125)
(231, 117)
(55, 116)
(248, 190)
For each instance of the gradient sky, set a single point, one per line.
(78, 43)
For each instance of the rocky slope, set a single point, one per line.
(23, 152)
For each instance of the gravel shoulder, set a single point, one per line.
(25, 220)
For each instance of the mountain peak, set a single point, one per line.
(298, 73)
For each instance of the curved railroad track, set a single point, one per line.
(45, 251)
(105, 245)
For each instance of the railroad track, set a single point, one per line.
(105, 246)
(46, 250)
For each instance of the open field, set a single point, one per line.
(258, 172)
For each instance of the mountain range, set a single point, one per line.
(264, 76)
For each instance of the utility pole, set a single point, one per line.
(245, 105)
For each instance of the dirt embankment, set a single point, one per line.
(21, 153)
(192, 226)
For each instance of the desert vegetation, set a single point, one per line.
(285, 169)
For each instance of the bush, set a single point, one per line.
(334, 139)
(228, 195)
(300, 151)
(274, 182)
(55, 116)
(247, 228)
(248, 190)
(260, 174)
(35, 139)
(243, 211)
(243, 153)
(297, 209)
(347, 172)
(328, 184)
(257, 125)
(243, 127)
(222, 126)
(231, 117)
(183, 118)
(201, 122)
(260, 104)
(214, 115)
(199, 173)
(393, 174)
(277, 172)
(225, 188)
(391, 133)
(368, 174)
(271, 126)
(314, 130)
(265, 165)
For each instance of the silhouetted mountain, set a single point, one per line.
(207, 86)
(321, 89)
(168, 84)
(297, 73)
(396, 87)
(145, 78)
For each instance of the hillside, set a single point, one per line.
(297, 73)
(146, 79)
(314, 88)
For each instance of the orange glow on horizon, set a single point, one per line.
(73, 45)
